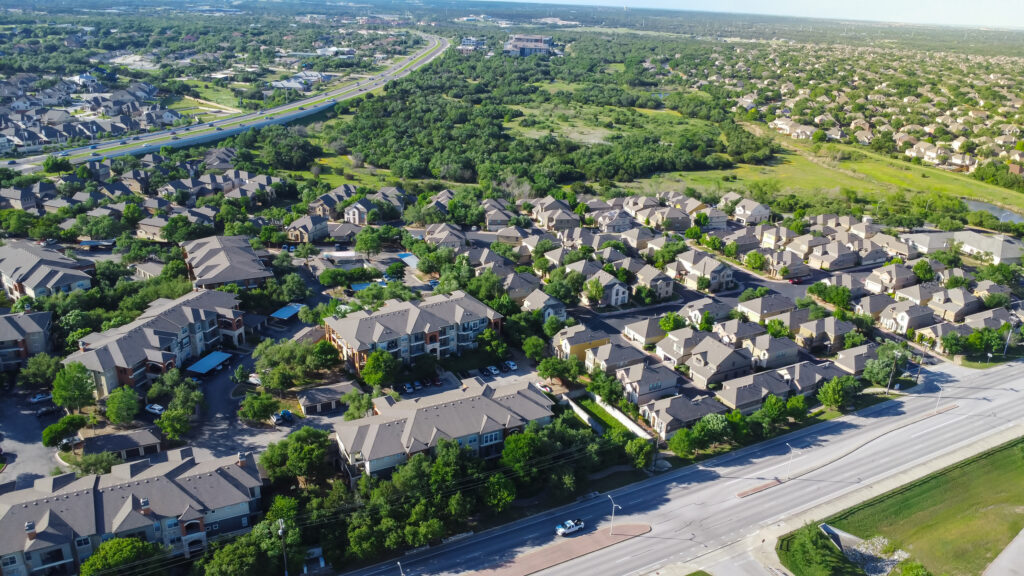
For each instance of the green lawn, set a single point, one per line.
(955, 521)
(207, 91)
(601, 414)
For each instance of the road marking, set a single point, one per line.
(937, 426)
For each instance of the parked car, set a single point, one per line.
(41, 397)
(408, 388)
(511, 365)
(568, 527)
(492, 370)
(504, 368)
(254, 378)
(282, 417)
(417, 385)
(155, 409)
(47, 410)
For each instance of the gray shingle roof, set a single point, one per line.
(224, 259)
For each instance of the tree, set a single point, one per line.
(640, 452)
(832, 394)
(682, 443)
(493, 344)
(63, 428)
(535, 348)
(39, 371)
(54, 164)
(380, 369)
(923, 271)
(771, 413)
(175, 423)
(122, 406)
(707, 322)
(258, 407)
(754, 293)
(368, 242)
(594, 291)
(754, 261)
(306, 250)
(359, 404)
(93, 463)
(671, 321)
(240, 557)
(396, 270)
(499, 492)
(117, 553)
(777, 328)
(301, 454)
(324, 355)
(953, 344)
(520, 455)
(73, 387)
(703, 283)
(796, 407)
(554, 367)
(553, 325)
(997, 300)
(710, 430)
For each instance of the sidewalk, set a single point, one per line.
(1008, 563)
(568, 549)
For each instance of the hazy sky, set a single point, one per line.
(973, 13)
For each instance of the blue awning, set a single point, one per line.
(287, 312)
(209, 362)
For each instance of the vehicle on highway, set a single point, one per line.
(41, 397)
(94, 154)
(511, 365)
(173, 132)
(282, 417)
(302, 108)
(63, 154)
(493, 370)
(135, 137)
(123, 142)
(93, 147)
(219, 128)
(268, 117)
(568, 527)
(10, 162)
(174, 138)
(155, 409)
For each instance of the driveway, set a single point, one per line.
(27, 458)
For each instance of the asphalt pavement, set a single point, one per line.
(696, 511)
(20, 437)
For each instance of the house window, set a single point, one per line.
(156, 526)
(245, 521)
(81, 542)
(9, 561)
(172, 523)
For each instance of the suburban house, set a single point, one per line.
(823, 333)
(549, 305)
(217, 261)
(576, 340)
(27, 269)
(308, 228)
(918, 293)
(766, 307)
(735, 332)
(770, 352)
(614, 291)
(906, 315)
(329, 205)
(440, 325)
(668, 415)
(955, 304)
(615, 222)
(23, 335)
(874, 304)
(712, 362)
(444, 235)
(358, 211)
(476, 416)
(852, 360)
(699, 265)
(694, 311)
(647, 381)
(750, 212)
(644, 332)
(747, 393)
(167, 334)
(128, 445)
(889, 279)
(678, 345)
(323, 399)
(612, 356)
(174, 501)
(660, 285)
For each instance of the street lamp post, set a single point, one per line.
(284, 548)
(789, 465)
(614, 506)
(895, 361)
(400, 571)
(937, 400)
(989, 357)
(1008, 333)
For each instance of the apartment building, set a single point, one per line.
(22, 336)
(28, 269)
(217, 261)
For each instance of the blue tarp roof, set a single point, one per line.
(287, 312)
(211, 361)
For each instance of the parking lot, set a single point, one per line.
(20, 435)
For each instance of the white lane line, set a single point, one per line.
(937, 426)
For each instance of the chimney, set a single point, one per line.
(241, 459)
(144, 504)
(30, 530)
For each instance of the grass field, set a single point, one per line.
(223, 96)
(955, 521)
(600, 413)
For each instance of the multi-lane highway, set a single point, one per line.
(696, 510)
(218, 129)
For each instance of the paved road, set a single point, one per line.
(695, 510)
(219, 129)
(21, 432)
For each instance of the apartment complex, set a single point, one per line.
(23, 335)
(28, 269)
(217, 261)
(167, 334)
(477, 416)
(52, 527)
(440, 325)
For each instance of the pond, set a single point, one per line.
(1003, 214)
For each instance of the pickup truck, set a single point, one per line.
(568, 527)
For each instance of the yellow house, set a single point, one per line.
(576, 340)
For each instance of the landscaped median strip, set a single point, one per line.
(569, 549)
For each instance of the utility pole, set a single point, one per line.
(895, 361)
(614, 506)
(789, 465)
(400, 571)
(284, 549)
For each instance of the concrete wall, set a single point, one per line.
(590, 420)
(622, 418)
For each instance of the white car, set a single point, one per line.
(568, 527)
(41, 397)
(254, 378)
(155, 409)
(511, 365)
(493, 370)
